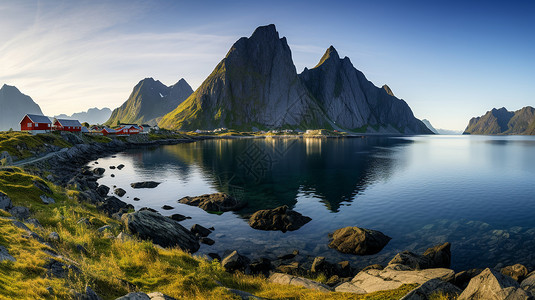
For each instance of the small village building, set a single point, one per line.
(108, 131)
(128, 130)
(67, 125)
(85, 130)
(145, 128)
(35, 124)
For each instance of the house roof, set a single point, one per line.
(128, 127)
(109, 130)
(65, 122)
(38, 119)
(84, 129)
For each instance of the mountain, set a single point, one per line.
(91, 116)
(428, 124)
(256, 86)
(449, 131)
(149, 101)
(13, 106)
(502, 122)
(355, 103)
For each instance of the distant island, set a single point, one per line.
(504, 122)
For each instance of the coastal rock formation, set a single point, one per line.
(149, 101)
(432, 287)
(13, 106)
(111, 205)
(435, 257)
(145, 185)
(358, 241)
(256, 85)
(218, 202)
(491, 284)
(503, 122)
(234, 262)
(518, 272)
(370, 281)
(160, 230)
(354, 103)
(279, 218)
(281, 278)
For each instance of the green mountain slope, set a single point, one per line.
(502, 122)
(149, 101)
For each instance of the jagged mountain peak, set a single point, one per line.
(330, 55)
(14, 105)
(388, 90)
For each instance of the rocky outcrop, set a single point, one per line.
(145, 185)
(491, 284)
(150, 100)
(5, 201)
(370, 281)
(431, 288)
(235, 262)
(528, 284)
(501, 121)
(160, 230)
(518, 272)
(119, 192)
(112, 205)
(279, 218)
(14, 105)
(4, 255)
(358, 241)
(218, 202)
(435, 257)
(281, 278)
(354, 103)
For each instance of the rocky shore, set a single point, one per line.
(429, 273)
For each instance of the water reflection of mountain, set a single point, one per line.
(270, 172)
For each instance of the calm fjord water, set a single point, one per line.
(476, 192)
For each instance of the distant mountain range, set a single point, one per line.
(503, 122)
(256, 86)
(91, 116)
(13, 106)
(149, 101)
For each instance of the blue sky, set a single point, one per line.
(450, 60)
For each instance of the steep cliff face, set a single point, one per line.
(13, 106)
(255, 85)
(501, 121)
(149, 101)
(355, 103)
(428, 124)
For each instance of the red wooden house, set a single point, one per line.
(128, 129)
(67, 125)
(107, 131)
(35, 124)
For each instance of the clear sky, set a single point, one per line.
(450, 60)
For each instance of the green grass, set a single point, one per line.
(23, 144)
(113, 267)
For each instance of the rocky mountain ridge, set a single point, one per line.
(149, 101)
(256, 86)
(91, 116)
(504, 122)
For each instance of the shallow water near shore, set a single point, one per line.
(477, 192)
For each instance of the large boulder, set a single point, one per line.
(218, 202)
(112, 205)
(119, 192)
(491, 284)
(528, 284)
(518, 272)
(279, 218)
(435, 257)
(286, 279)
(358, 241)
(235, 262)
(145, 185)
(433, 287)
(373, 280)
(103, 190)
(160, 230)
(5, 201)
